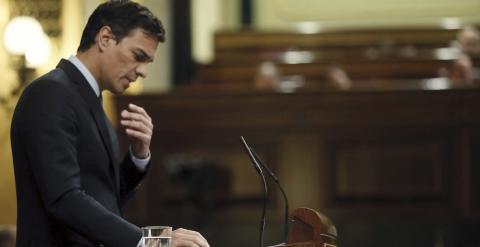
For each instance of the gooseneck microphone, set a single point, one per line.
(285, 199)
(265, 188)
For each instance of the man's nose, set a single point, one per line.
(142, 70)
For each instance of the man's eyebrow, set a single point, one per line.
(143, 55)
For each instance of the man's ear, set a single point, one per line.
(104, 38)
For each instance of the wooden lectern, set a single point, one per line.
(311, 229)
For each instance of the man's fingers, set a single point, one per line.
(136, 125)
(189, 232)
(126, 115)
(138, 135)
(140, 110)
(136, 108)
(187, 238)
(184, 243)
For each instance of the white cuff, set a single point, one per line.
(141, 164)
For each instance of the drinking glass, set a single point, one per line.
(156, 236)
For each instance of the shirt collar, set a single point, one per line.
(86, 73)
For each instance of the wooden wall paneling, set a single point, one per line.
(393, 166)
(342, 38)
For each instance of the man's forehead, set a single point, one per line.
(143, 41)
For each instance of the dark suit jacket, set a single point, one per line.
(70, 184)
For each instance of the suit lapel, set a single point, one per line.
(96, 109)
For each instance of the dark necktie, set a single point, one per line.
(114, 144)
(111, 133)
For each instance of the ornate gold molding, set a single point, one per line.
(47, 12)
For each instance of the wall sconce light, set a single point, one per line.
(29, 46)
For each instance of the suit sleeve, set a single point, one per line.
(131, 177)
(49, 133)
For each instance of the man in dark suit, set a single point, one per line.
(71, 186)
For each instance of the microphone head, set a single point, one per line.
(258, 164)
(265, 187)
(250, 155)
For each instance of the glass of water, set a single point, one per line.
(156, 236)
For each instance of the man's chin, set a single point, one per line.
(118, 91)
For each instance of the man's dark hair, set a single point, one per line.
(122, 16)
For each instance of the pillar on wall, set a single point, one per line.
(246, 13)
(182, 42)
